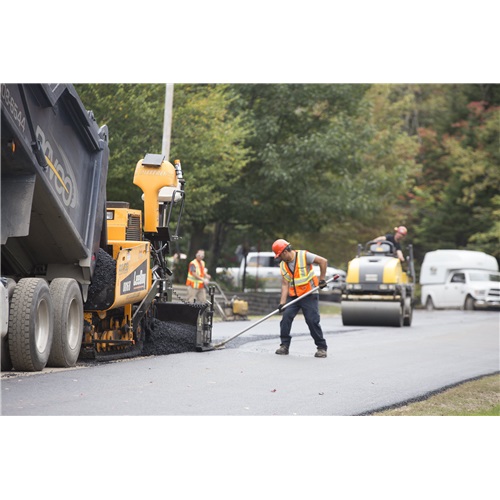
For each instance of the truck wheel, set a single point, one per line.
(469, 304)
(68, 322)
(6, 362)
(429, 304)
(30, 325)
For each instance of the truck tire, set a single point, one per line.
(6, 361)
(429, 304)
(469, 304)
(68, 322)
(30, 325)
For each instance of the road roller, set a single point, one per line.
(377, 291)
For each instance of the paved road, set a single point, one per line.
(367, 368)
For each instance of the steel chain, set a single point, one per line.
(198, 306)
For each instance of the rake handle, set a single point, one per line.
(220, 344)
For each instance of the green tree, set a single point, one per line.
(329, 164)
(304, 142)
(206, 137)
(457, 197)
(326, 159)
(210, 140)
(134, 116)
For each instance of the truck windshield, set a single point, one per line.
(484, 276)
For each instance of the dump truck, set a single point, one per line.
(80, 276)
(377, 291)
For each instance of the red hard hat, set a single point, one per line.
(279, 246)
(402, 230)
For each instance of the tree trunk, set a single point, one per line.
(197, 241)
(217, 243)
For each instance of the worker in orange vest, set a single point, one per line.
(197, 279)
(299, 278)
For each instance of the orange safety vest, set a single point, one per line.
(303, 278)
(192, 280)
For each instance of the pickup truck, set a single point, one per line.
(459, 279)
(263, 273)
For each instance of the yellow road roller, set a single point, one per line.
(377, 291)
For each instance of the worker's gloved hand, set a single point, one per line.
(280, 307)
(322, 284)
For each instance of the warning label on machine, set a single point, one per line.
(135, 281)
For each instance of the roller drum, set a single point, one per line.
(371, 313)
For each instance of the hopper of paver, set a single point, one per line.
(197, 319)
(179, 312)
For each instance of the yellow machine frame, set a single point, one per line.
(111, 329)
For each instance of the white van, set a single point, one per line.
(459, 279)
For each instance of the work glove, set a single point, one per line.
(322, 284)
(280, 307)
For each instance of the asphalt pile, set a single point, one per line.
(101, 293)
(168, 338)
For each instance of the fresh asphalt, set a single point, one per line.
(367, 368)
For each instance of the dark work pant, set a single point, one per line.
(310, 310)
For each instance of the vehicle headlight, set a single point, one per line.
(351, 286)
(386, 287)
(480, 292)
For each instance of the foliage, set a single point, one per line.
(458, 194)
(324, 165)
(327, 159)
(205, 137)
(134, 116)
(210, 142)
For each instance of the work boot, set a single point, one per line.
(320, 353)
(282, 349)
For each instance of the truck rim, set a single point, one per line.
(75, 321)
(42, 325)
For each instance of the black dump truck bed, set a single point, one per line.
(54, 163)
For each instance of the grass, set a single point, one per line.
(476, 398)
